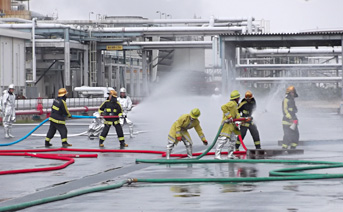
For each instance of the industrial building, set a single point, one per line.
(135, 52)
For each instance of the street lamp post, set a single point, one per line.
(89, 15)
(159, 13)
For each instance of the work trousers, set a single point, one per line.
(119, 131)
(254, 133)
(62, 129)
(290, 137)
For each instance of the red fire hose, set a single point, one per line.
(67, 157)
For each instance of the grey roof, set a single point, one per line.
(318, 38)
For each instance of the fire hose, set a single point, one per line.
(275, 175)
(44, 121)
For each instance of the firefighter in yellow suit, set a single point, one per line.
(178, 132)
(229, 130)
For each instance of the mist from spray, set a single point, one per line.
(170, 99)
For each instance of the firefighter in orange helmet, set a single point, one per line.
(246, 108)
(59, 111)
(111, 107)
(290, 120)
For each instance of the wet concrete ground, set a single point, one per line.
(111, 168)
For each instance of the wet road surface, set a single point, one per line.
(111, 168)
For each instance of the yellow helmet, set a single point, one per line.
(248, 95)
(195, 113)
(62, 92)
(113, 93)
(235, 95)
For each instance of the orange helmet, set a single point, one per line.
(62, 92)
(113, 93)
(248, 95)
(291, 89)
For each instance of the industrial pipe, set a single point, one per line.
(147, 21)
(103, 90)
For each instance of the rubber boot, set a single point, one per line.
(9, 133)
(189, 151)
(123, 145)
(219, 147)
(101, 143)
(6, 133)
(48, 144)
(230, 151)
(168, 154)
(258, 146)
(237, 146)
(131, 131)
(65, 144)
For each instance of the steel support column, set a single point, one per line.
(145, 73)
(341, 106)
(85, 68)
(67, 73)
(99, 69)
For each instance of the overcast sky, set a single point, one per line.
(283, 15)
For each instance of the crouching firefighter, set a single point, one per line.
(229, 130)
(178, 132)
(59, 111)
(290, 120)
(111, 107)
(246, 108)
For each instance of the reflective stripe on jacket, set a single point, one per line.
(180, 127)
(111, 108)
(246, 109)
(230, 110)
(59, 111)
(289, 110)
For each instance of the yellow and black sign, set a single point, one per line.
(114, 48)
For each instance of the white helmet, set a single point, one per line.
(122, 90)
(110, 89)
(11, 86)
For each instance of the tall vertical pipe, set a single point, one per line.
(34, 71)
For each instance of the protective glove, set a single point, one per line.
(205, 142)
(230, 120)
(294, 125)
(179, 138)
(248, 119)
(97, 115)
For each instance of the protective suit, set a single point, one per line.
(59, 112)
(111, 107)
(246, 108)
(290, 120)
(96, 127)
(8, 110)
(229, 130)
(178, 132)
(126, 105)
